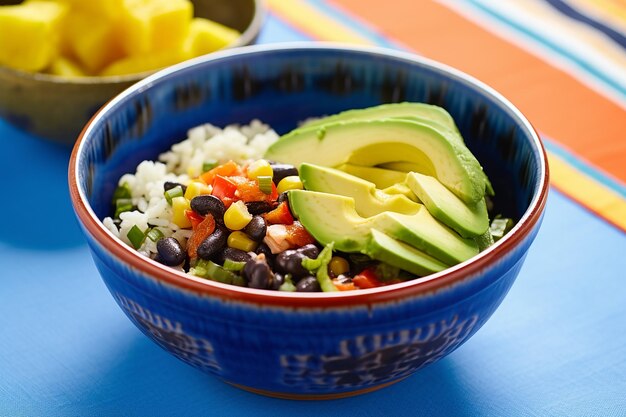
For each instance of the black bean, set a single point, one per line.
(259, 207)
(309, 250)
(236, 255)
(208, 204)
(283, 170)
(308, 284)
(258, 273)
(290, 262)
(170, 252)
(269, 256)
(256, 228)
(168, 185)
(212, 244)
(283, 197)
(279, 279)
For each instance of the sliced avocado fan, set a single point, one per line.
(370, 143)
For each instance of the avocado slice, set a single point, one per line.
(426, 113)
(469, 220)
(369, 201)
(389, 250)
(402, 189)
(383, 178)
(333, 218)
(379, 141)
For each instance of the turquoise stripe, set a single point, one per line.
(588, 67)
(584, 167)
(352, 23)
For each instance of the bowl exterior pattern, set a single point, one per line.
(291, 351)
(297, 350)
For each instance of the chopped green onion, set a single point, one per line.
(155, 234)
(122, 205)
(136, 236)
(233, 266)
(122, 191)
(287, 285)
(214, 272)
(321, 265)
(265, 184)
(209, 165)
(173, 193)
(499, 227)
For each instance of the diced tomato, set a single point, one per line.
(344, 286)
(223, 188)
(228, 169)
(280, 215)
(367, 279)
(200, 232)
(297, 235)
(194, 218)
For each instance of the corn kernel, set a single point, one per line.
(260, 168)
(237, 216)
(338, 265)
(289, 183)
(196, 188)
(179, 205)
(240, 240)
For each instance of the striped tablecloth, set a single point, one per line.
(556, 346)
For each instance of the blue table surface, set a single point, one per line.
(556, 346)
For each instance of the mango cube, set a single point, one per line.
(91, 40)
(206, 36)
(153, 25)
(141, 63)
(108, 9)
(66, 68)
(29, 34)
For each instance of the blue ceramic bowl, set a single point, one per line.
(303, 345)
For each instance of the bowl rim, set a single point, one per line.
(413, 288)
(247, 36)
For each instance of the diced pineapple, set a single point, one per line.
(136, 64)
(91, 39)
(29, 34)
(206, 36)
(155, 25)
(66, 68)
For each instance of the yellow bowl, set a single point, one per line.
(57, 108)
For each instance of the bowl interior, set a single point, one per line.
(282, 86)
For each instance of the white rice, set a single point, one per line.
(180, 164)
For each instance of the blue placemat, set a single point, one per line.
(556, 346)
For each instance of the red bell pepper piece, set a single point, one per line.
(367, 279)
(200, 232)
(297, 235)
(194, 218)
(280, 215)
(344, 286)
(228, 169)
(223, 188)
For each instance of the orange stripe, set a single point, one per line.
(587, 123)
